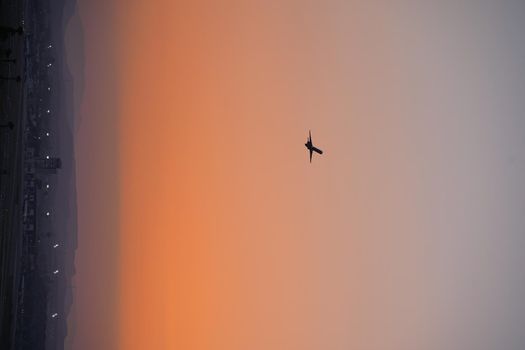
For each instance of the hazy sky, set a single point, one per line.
(93, 322)
(213, 231)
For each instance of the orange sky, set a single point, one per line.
(215, 210)
(229, 239)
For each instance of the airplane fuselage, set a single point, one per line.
(312, 148)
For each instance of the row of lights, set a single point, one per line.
(56, 245)
(55, 273)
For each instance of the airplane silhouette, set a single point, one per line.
(311, 147)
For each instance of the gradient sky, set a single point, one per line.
(219, 234)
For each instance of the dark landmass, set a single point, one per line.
(38, 218)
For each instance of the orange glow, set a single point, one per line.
(223, 242)
(405, 234)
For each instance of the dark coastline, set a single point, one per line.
(38, 178)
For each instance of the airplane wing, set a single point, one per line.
(315, 149)
(311, 152)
